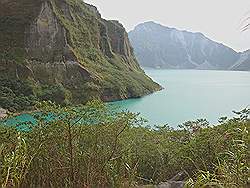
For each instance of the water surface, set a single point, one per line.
(192, 94)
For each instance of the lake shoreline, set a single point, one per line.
(192, 95)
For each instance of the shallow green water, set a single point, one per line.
(192, 94)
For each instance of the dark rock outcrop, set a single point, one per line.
(66, 42)
(158, 46)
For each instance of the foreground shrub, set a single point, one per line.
(97, 146)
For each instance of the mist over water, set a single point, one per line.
(192, 94)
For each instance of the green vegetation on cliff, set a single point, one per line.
(95, 146)
(67, 43)
(16, 95)
(21, 95)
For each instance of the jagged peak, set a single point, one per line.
(246, 51)
(148, 24)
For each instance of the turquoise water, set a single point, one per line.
(187, 95)
(22, 122)
(25, 121)
(192, 94)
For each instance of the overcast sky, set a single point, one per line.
(220, 20)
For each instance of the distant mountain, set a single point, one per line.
(243, 63)
(158, 46)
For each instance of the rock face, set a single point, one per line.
(67, 43)
(158, 46)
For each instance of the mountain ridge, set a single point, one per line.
(158, 46)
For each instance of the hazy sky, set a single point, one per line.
(220, 20)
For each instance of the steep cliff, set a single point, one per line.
(66, 43)
(158, 46)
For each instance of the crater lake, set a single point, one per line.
(191, 95)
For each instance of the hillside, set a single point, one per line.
(243, 63)
(158, 46)
(62, 50)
